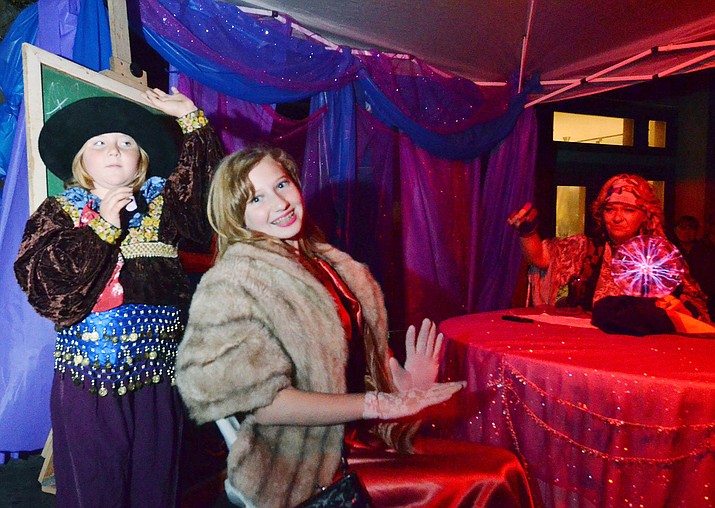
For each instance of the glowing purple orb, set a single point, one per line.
(648, 266)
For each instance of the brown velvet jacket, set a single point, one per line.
(64, 268)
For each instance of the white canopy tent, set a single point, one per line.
(576, 47)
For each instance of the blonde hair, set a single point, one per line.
(231, 190)
(646, 200)
(81, 177)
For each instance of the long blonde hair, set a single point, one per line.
(231, 190)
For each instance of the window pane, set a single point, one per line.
(656, 133)
(570, 210)
(598, 130)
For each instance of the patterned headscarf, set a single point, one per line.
(631, 190)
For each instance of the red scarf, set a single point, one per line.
(113, 293)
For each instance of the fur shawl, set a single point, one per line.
(259, 322)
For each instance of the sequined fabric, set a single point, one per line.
(120, 350)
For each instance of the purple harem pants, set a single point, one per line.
(116, 451)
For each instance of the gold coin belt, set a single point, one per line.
(120, 350)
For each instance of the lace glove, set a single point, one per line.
(421, 359)
(388, 406)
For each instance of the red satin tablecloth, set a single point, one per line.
(597, 419)
(443, 474)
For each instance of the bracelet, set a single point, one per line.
(192, 121)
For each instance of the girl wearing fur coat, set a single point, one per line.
(277, 330)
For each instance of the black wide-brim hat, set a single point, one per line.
(65, 132)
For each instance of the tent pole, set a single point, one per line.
(683, 65)
(598, 74)
(525, 43)
(686, 45)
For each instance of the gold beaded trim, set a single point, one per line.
(70, 209)
(105, 230)
(149, 250)
(511, 401)
(192, 121)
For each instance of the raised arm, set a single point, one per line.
(524, 221)
(187, 187)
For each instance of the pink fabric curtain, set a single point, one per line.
(509, 183)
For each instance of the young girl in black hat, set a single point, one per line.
(100, 260)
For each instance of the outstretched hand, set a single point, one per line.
(175, 104)
(421, 360)
(388, 406)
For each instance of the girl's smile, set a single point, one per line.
(276, 206)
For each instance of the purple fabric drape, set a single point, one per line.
(509, 183)
(258, 59)
(437, 198)
(330, 174)
(259, 49)
(26, 347)
(409, 84)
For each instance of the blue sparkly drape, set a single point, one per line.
(258, 60)
(27, 340)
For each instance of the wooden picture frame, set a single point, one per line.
(52, 82)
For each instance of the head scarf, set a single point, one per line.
(634, 190)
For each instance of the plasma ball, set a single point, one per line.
(647, 266)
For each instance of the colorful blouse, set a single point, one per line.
(578, 263)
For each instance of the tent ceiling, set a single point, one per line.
(483, 40)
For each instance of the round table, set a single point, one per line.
(597, 419)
